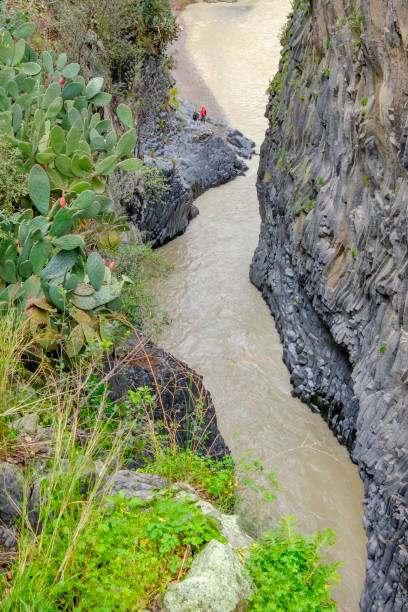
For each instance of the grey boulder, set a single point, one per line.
(215, 582)
(136, 484)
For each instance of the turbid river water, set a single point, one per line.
(222, 327)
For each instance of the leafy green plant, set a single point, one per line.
(125, 28)
(247, 467)
(302, 5)
(126, 557)
(353, 21)
(288, 572)
(86, 553)
(215, 478)
(134, 551)
(67, 150)
(172, 99)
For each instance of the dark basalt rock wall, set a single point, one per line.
(181, 401)
(192, 156)
(332, 256)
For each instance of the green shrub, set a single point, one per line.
(134, 552)
(125, 27)
(141, 264)
(13, 183)
(288, 573)
(126, 557)
(214, 477)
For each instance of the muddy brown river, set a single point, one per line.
(222, 327)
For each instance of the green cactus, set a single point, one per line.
(67, 151)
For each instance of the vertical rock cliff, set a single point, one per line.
(332, 256)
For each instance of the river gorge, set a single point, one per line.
(226, 56)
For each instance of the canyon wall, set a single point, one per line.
(332, 256)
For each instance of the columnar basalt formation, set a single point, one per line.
(332, 256)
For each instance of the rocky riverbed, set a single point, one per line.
(192, 156)
(332, 256)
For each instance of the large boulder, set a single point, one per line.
(180, 396)
(215, 582)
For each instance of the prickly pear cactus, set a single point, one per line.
(51, 116)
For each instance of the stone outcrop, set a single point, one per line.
(332, 255)
(190, 155)
(215, 583)
(181, 399)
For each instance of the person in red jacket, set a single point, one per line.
(203, 113)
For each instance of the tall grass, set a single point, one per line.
(67, 487)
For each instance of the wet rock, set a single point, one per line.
(214, 583)
(244, 146)
(331, 259)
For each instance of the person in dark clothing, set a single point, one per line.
(195, 115)
(203, 113)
